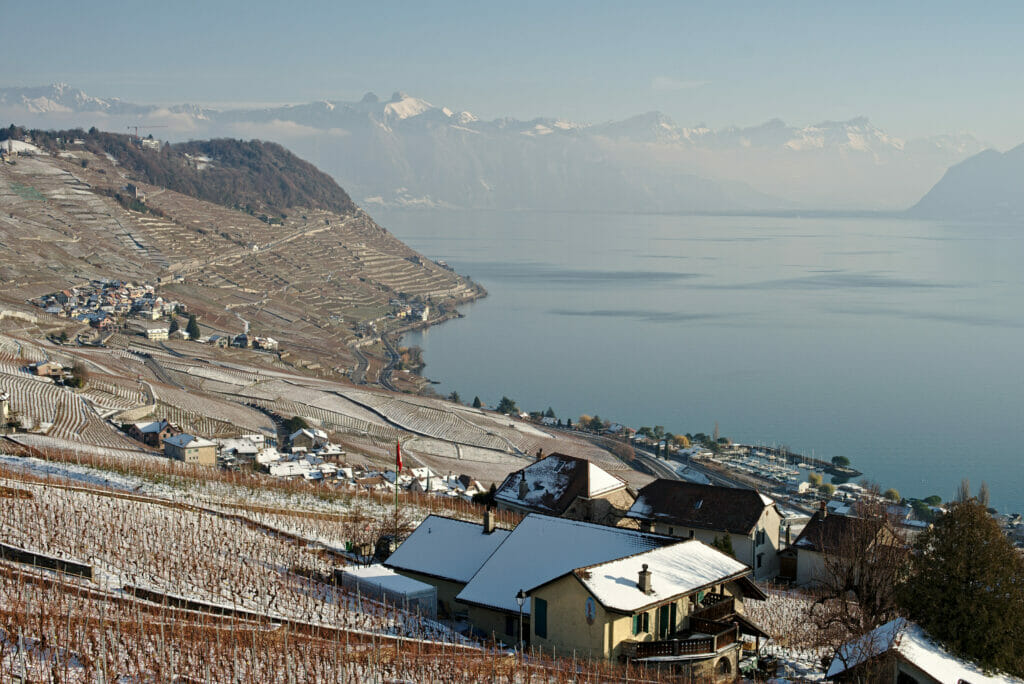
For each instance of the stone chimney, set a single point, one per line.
(789, 529)
(489, 523)
(824, 509)
(524, 487)
(644, 583)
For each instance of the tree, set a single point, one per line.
(963, 492)
(827, 488)
(63, 337)
(507, 406)
(983, 495)
(295, 423)
(550, 413)
(477, 403)
(863, 556)
(79, 375)
(174, 325)
(568, 422)
(682, 441)
(814, 478)
(454, 396)
(724, 544)
(933, 500)
(892, 494)
(840, 461)
(964, 588)
(193, 327)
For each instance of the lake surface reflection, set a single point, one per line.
(896, 343)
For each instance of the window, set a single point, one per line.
(510, 625)
(540, 617)
(760, 559)
(641, 623)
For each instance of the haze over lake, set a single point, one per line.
(894, 342)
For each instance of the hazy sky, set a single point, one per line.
(916, 69)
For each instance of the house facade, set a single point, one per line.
(751, 521)
(680, 606)
(152, 433)
(191, 449)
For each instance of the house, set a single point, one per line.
(152, 433)
(218, 341)
(689, 510)
(901, 652)
(179, 334)
(156, 331)
(540, 549)
(680, 606)
(191, 449)
(826, 534)
(446, 553)
(568, 487)
(308, 438)
(48, 369)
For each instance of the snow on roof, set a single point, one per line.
(186, 440)
(600, 481)
(768, 501)
(152, 426)
(446, 548)
(554, 482)
(542, 548)
(677, 569)
(385, 578)
(912, 643)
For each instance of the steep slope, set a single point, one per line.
(988, 186)
(315, 279)
(252, 175)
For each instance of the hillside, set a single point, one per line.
(989, 186)
(324, 283)
(252, 175)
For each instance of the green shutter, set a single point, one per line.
(636, 624)
(540, 617)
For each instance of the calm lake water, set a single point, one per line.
(896, 343)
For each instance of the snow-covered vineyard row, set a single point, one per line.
(179, 551)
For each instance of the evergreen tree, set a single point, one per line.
(174, 325)
(550, 413)
(477, 403)
(454, 396)
(193, 327)
(506, 406)
(724, 544)
(965, 588)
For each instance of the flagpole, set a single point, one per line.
(398, 471)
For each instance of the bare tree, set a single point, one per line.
(865, 555)
(963, 492)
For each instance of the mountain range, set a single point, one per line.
(405, 151)
(988, 186)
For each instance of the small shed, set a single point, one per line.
(382, 584)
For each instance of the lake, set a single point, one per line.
(896, 343)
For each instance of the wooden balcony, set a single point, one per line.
(714, 636)
(717, 609)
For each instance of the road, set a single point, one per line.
(393, 358)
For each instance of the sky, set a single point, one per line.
(915, 69)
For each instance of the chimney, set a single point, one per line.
(789, 529)
(645, 580)
(489, 523)
(524, 488)
(824, 509)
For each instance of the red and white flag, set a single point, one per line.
(398, 456)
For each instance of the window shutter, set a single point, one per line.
(540, 617)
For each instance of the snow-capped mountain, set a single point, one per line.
(406, 150)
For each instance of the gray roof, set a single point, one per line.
(446, 548)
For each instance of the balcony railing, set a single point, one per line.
(722, 635)
(717, 609)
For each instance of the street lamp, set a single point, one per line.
(520, 599)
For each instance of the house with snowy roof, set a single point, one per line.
(191, 449)
(901, 652)
(308, 438)
(537, 551)
(679, 605)
(568, 487)
(446, 553)
(152, 433)
(688, 510)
